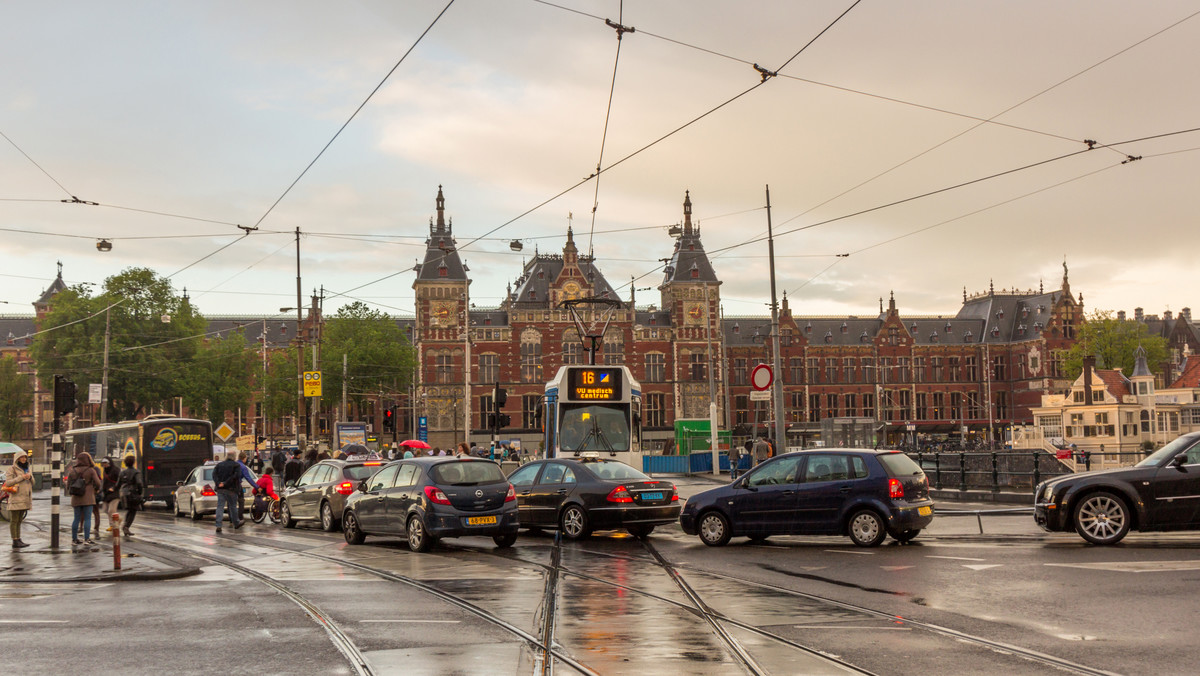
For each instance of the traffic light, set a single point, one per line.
(502, 420)
(64, 396)
(500, 397)
(389, 418)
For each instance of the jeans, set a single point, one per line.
(82, 513)
(229, 498)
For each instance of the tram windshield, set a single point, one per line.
(594, 427)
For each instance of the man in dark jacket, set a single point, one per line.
(278, 460)
(293, 469)
(227, 475)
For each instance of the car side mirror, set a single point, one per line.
(290, 484)
(178, 483)
(1179, 460)
(362, 486)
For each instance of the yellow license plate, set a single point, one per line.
(924, 511)
(480, 520)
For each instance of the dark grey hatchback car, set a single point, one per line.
(426, 499)
(862, 493)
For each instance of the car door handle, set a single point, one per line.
(789, 492)
(845, 489)
(526, 492)
(561, 491)
(379, 499)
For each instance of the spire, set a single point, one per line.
(991, 288)
(891, 302)
(964, 296)
(1066, 285)
(881, 305)
(1139, 367)
(1041, 286)
(785, 311)
(441, 210)
(687, 212)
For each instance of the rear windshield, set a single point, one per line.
(899, 464)
(360, 472)
(460, 473)
(614, 469)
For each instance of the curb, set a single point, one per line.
(176, 570)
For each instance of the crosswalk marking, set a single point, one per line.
(955, 558)
(1133, 566)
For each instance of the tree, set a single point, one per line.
(154, 334)
(222, 377)
(1113, 343)
(379, 357)
(16, 396)
(281, 385)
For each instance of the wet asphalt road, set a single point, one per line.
(1013, 600)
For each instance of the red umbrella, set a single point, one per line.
(415, 443)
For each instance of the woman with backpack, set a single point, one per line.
(129, 487)
(83, 482)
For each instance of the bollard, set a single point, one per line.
(962, 470)
(1037, 473)
(937, 471)
(116, 531)
(1087, 460)
(995, 474)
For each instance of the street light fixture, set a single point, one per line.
(103, 245)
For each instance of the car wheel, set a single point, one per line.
(866, 528)
(1102, 518)
(328, 523)
(170, 500)
(904, 536)
(418, 538)
(176, 510)
(714, 529)
(192, 510)
(641, 532)
(354, 534)
(285, 515)
(505, 541)
(574, 523)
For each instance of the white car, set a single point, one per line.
(197, 495)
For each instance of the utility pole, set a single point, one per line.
(299, 352)
(467, 363)
(777, 387)
(344, 415)
(104, 378)
(712, 393)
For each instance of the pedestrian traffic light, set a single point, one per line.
(491, 421)
(503, 420)
(64, 396)
(389, 418)
(499, 397)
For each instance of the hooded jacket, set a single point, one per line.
(23, 480)
(84, 467)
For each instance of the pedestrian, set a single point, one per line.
(19, 486)
(293, 468)
(110, 497)
(256, 463)
(227, 475)
(83, 482)
(463, 449)
(132, 492)
(250, 479)
(278, 460)
(322, 455)
(762, 450)
(310, 457)
(408, 453)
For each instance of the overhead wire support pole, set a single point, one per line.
(777, 386)
(300, 418)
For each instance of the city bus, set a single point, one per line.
(594, 409)
(167, 448)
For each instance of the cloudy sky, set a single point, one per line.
(182, 120)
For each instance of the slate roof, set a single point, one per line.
(441, 249)
(541, 271)
(689, 253)
(57, 285)
(14, 329)
(1009, 316)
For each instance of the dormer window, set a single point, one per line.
(808, 327)
(999, 314)
(864, 337)
(283, 329)
(829, 336)
(736, 328)
(845, 327)
(1021, 329)
(995, 332)
(695, 271)
(967, 336)
(653, 319)
(949, 329)
(691, 247)
(443, 271)
(933, 337)
(1041, 309)
(532, 294)
(11, 338)
(541, 274)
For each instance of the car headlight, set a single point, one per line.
(1048, 494)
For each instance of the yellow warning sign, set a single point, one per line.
(312, 383)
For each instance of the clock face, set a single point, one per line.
(695, 313)
(571, 290)
(443, 313)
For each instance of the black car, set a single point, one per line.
(320, 493)
(865, 494)
(430, 498)
(1159, 493)
(579, 495)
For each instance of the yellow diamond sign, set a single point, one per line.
(224, 432)
(312, 383)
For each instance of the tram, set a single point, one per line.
(594, 409)
(166, 448)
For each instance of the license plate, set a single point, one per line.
(924, 511)
(480, 520)
(652, 496)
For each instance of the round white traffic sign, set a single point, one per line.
(761, 377)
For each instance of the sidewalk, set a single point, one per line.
(40, 563)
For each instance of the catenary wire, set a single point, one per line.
(34, 162)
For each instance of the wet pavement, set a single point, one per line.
(1011, 600)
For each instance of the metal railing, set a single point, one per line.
(1016, 470)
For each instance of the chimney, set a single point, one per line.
(1121, 315)
(1167, 315)
(1137, 314)
(1186, 313)
(1089, 363)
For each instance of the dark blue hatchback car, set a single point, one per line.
(865, 494)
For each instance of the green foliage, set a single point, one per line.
(1113, 343)
(281, 384)
(148, 358)
(16, 397)
(222, 377)
(379, 357)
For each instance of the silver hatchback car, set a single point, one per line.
(197, 496)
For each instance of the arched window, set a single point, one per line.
(614, 346)
(531, 356)
(572, 349)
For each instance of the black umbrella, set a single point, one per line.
(355, 449)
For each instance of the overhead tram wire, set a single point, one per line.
(200, 294)
(765, 76)
(355, 113)
(34, 162)
(621, 30)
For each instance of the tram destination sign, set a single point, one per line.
(594, 384)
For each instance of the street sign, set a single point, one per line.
(911, 427)
(312, 383)
(761, 378)
(760, 395)
(423, 428)
(95, 393)
(224, 432)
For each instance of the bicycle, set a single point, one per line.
(265, 506)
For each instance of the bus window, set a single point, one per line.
(594, 428)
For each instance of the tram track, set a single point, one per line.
(543, 648)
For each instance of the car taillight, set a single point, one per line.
(345, 488)
(207, 491)
(149, 467)
(674, 493)
(511, 494)
(436, 496)
(895, 488)
(619, 494)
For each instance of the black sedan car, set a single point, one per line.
(320, 493)
(426, 499)
(1159, 493)
(865, 494)
(579, 495)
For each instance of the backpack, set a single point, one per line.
(78, 487)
